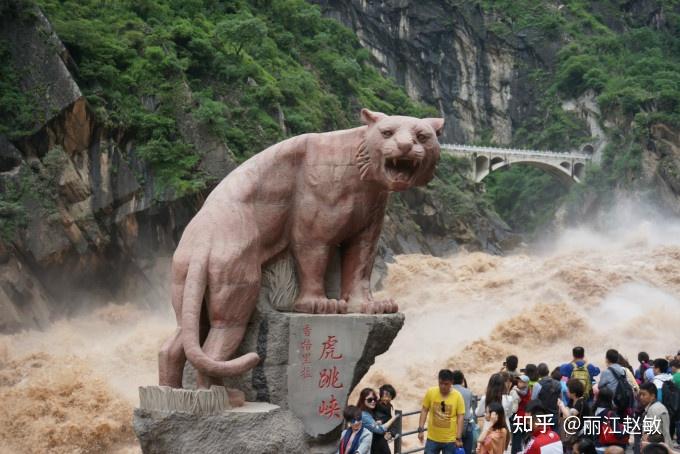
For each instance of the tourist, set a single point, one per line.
(368, 401)
(510, 366)
(581, 369)
(579, 408)
(615, 379)
(531, 371)
(543, 372)
(544, 440)
(520, 391)
(557, 375)
(355, 439)
(630, 374)
(459, 385)
(495, 437)
(656, 448)
(661, 375)
(614, 449)
(656, 414)
(641, 374)
(548, 391)
(384, 412)
(611, 431)
(611, 375)
(444, 409)
(675, 370)
(584, 445)
(498, 390)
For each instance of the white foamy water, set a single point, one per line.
(599, 290)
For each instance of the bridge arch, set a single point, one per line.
(495, 161)
(481, 167)
(579, 170)
(562, 173)
(568, 167)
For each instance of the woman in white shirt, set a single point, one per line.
(498, 390)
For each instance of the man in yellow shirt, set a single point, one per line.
(446, 409)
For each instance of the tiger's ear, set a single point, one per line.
(437, 124)
(368, 117)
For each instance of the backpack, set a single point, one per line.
(581, 373)
(643, 368)
(611, 430)
(624, 397)
(549, 393)
(670, 398)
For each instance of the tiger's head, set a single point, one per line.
(398, 152)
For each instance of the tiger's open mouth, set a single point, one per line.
(401, 170)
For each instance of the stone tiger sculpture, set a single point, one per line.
(307, 194)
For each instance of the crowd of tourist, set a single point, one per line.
(576, 408)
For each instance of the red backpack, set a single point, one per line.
(611, 429)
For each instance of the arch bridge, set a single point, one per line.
(568, 167)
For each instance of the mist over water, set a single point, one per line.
(72, 387)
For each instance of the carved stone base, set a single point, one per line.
(283, 378)
(203, 402)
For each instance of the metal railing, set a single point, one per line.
(401, 434)
(514, 151)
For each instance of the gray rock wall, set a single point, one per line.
(444, 55)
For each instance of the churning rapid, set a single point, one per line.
(72, 388)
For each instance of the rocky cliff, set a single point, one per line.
(444, 54)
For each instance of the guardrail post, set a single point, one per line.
(397, 440)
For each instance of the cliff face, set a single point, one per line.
(83, 218)
(444, 55)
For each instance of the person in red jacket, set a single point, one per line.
(544, 440)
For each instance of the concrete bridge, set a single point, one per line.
(568, 167)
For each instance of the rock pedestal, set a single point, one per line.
(310, 364)
(257, 427)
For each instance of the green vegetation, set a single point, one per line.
(253, 72)
(630, 62)
(32, 194)
(525, 197)
(16, 107)
(456, 191)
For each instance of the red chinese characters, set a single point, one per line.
(306, 353)
(328, 351)
(330, 378)
(330, 409)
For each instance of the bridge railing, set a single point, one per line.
(515, 151)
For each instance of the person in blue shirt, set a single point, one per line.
(355, 439)
(579, 360)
